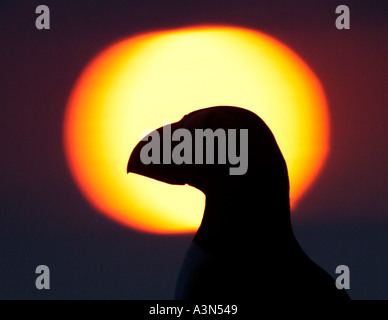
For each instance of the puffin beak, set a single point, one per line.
(159, 170)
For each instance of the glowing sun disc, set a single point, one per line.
(141, 82)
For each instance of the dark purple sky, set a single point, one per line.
(44, 218)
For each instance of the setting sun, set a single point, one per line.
(144, 81)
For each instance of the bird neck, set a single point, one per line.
(234, 225)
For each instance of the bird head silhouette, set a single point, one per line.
(264, 157)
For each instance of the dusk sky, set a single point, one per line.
(341, 220)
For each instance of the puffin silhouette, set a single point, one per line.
(245, 246)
